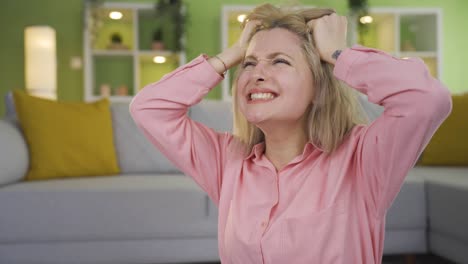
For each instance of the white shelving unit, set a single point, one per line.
(389, 23)
(230, 29)
(408, 32)
(106, 66)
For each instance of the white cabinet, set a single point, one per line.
(122, 52)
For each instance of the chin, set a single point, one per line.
(256, 118)
(256, 114)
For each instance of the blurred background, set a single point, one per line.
(86, 38)
(85, 50)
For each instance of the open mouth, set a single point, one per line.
(259, 97)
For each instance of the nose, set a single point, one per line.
(259, 79)
(260, 73)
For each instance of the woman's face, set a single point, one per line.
(275, 83)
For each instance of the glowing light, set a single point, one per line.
(366, 19)
(116, 15)
(241, 17)
(159, 59)
(40, 61)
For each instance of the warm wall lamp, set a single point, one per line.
(40, 61)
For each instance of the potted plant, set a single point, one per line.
(358, 9)
(171, 13)
(158, 43)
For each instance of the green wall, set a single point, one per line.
(202, 36)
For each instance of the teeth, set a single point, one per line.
(255, 96)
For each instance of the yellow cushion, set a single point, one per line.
(66, 139)
(449, 145)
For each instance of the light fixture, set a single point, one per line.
(116, 15)
(159, 59)
(241, 18)
(366, 19)
(40, 61)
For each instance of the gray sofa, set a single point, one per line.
(151, 213)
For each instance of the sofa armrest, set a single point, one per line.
(14, 159)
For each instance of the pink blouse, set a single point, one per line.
(319, 208)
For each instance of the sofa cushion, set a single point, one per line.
(408, 211)
(103, 208)
(449, 145)
(14, 160)
(10, 112)
(447, 200)
(406, 221)
(447, 195)
(373, 111)
(213, 114)
(135, 152)
(66, 139)
(448, 247)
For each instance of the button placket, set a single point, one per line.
(264, 224)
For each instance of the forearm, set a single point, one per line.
(160, 111)
(227, 59)
(400, 85)
(415, 105)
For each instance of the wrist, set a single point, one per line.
(232, 56)
(333, 55)
(226, 59)
(336, 54)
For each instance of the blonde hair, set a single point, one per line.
(335, 109)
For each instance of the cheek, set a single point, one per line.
(300, 92)
(306, 86)
(242, 83)
(243, 77)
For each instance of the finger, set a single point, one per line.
(253, 23)
(311, 24)
(344, 19)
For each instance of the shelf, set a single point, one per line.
(112, 52)
(150, 28)
(417, 32)
(151, 72)
(157, 52)
(418, 54)
(119, 53)
(114, 98)
(107, 29)
(113, 75)
(380, 34)
(405, 33)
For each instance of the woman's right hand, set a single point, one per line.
(234, 54)
(244, 38)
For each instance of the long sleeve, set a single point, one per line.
(160, 111)
(415, 105)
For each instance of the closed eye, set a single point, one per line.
(247, 64)
(275, 61)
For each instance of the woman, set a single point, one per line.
(303, 179)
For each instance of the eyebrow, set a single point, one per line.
(270, 56)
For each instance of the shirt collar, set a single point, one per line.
(259, 149)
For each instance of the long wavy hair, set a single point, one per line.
(335, 109)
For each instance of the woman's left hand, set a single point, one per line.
(329, 34)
